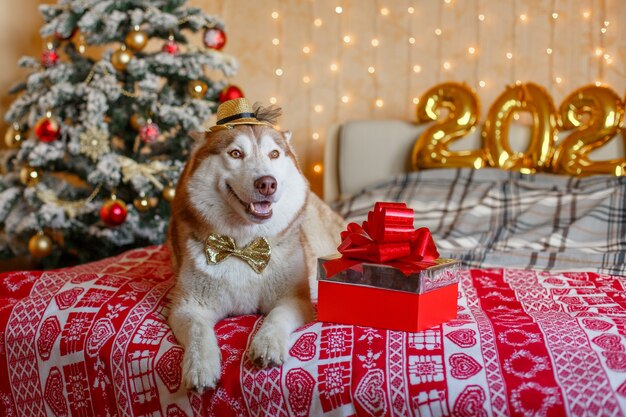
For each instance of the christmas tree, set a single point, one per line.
(100, 128)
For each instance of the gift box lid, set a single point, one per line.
(445, 272)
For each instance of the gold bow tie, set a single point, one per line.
(219, 247)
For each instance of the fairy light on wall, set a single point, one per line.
(438, 33)
(553, 19)
(278, 71)
(477, 32)
(371, 69)
(409, 59)
(510, 54)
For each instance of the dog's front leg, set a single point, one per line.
(192, 325)
(270, 345)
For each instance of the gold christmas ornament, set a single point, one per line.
(30, 176)
(94, 143)
(197, 89)
(169, 192)
(136, 39)
(121, 58)
(13, 137)
(137, 121)
(142, 204)
(40, 245)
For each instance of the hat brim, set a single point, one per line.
(243, 121)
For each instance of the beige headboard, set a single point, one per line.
(361, 152)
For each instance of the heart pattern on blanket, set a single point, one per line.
(463, 366)
(50, 330)
(464, 338)
(596, 324)
(615, 360)
(471, 402)
(66, 299)
(609, 342)
(304, 349)
(369, 393)
(101, 332)
(300, 385)
(169, 368)
(53, 393)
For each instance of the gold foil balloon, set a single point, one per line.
(121, 58)
(30, 176)
(40, 245)
(197, 89)
(596, 113)
(136, 39)
(530, 98)
(13, 137)
(431, 149)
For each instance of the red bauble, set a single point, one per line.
(149, 133)
(113, 212)
(47, 130)
(230, 92)
(214, 38)
(170, 47)
(49, 58)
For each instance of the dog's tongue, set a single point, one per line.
(262, 207)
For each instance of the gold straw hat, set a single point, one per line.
(238, 112)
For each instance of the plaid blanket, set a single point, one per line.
(495, 218)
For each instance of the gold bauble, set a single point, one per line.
(142, 204)
(13, 137)
(121, 58)
(40, 245)
(30, 176)
(169, 192)
(197, 88)
(136, 39)
(137, 121)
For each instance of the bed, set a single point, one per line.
(540, 327)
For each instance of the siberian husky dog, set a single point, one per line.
(242, 186)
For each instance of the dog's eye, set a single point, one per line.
(274, 154)
(236, 153)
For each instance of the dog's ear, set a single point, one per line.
(198, 136)
(287, 135)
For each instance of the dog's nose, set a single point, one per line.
(266, 185)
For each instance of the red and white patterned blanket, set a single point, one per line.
(93, 341)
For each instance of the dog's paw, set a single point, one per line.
(269, 347)
(201, 368)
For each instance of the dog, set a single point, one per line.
(244, 236)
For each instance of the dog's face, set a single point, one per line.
(246, 181)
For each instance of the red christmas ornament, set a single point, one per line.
(113, 212)
(49, 58)
(230, 92)
(214, 38)
(47, 129)
(149, 133)
(170, 47)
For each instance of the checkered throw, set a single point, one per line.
(495, 218)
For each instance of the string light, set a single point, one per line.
(481, 17)
(558, 80)
(447, 1)
(446, 65)
(347, 39)
(417, 68)
(471, 50)
(586, 14)
(334, 66)
(371, 69)
(379, 102)
(375, 42)
(599, 51)
(411, 10)
(318, 108)
(306, 79)
(315, 136)
(345, 99)
(338, 9)
(416, 100)
(555, 15)
(273, 100)
(482, 84)
(522, 17)
(317, 22)
(509, 55)
(275, 15)
(279, 72)
(412, 40)
(549, 51)
(598, 83)
(384, 11)
(306, 49)
(438, 32)
(317, 168)
(275, 41)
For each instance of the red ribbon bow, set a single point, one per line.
(387, 237)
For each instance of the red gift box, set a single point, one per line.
(388, 275)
